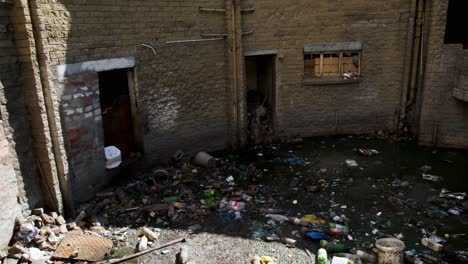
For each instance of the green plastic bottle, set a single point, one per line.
(334, 248)
(322, 256)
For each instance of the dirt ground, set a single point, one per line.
(384, 196)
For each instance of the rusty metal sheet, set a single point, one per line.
(83, 247)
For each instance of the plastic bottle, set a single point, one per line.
(236, 206)
(338, 230)
(316, 235)
(322, 256)
(334, 248)
(271, 211)
(353, 258)
(368, 257)
(297, 221)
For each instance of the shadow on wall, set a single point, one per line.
(16, 117)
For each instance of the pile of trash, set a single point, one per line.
(189, 193)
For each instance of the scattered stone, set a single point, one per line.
(36, 256)
(63, 229)
(194, 228)
(53, 239)
(71, 226)
(98, 229)
(48, 219)
(149, 234)
(10, 261)
(143, 244)
(54, 215)
(60, 220)
(165, 252)
(182, 256)
(38, 211)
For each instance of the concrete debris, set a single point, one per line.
(38, 211)
(149, 234)
(182, 257)
(143, 244)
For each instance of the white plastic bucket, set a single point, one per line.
(390, 251)
(113, 157)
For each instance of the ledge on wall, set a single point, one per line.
(321, 81)
(460, 94)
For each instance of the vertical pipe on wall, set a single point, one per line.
(422, 62)
(407, 62)
(236, 95)
(42, 60)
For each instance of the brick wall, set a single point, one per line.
(444, 119)
(368, 106)
(19, 179)
(181, 89)
(82, 125)
(460, 90)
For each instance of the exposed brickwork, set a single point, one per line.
(17, 167)
(444, 119)
(181, 89)
(82, 126)
(8, 191)
(308, 110)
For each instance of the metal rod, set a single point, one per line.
(113, 261)
(148, 46)
(212, 35)
(248, 10)
(249, 32)
(204, 9)
(193, 40)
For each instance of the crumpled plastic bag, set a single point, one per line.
(314, 220)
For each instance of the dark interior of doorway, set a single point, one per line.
(456, 30)
(118, 124)
(260, 85)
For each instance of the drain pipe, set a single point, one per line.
(235, 39)
(41, 54)
(422, 60)
(416, 67)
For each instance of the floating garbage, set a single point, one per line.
(312, 219)
(429, 177)
(113, 157)
(204, 159)
(433, 243)
(352, 163)
(368, 152)
(455, 195)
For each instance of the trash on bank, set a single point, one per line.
(455, 195)
(352, 163)
(432, 178)
(368, 152)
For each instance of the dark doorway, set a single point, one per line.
(260, 85)
(456, 30)
(116, 108)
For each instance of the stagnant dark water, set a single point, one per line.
(364, 194)
(364, 191)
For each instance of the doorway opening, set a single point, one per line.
(116, 108)
(260, 89)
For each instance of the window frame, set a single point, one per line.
(340, 48)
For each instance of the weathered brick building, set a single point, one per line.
(153, 77)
